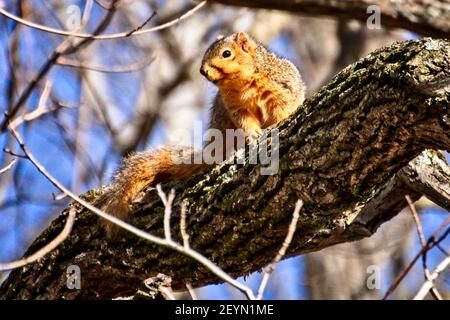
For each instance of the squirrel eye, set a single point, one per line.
(226, 54)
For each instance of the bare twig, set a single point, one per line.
(192, 292)
(64, 48)
(46, 249)
(40, 109)
(166, 293)
(87, 205)
(58, 197)
(115, 69)
(442, 250)
(42, 102)
(93, 36)
(271, 267)
(8, 166)
(412, 208)
(428, 285)
(167, 201)
(167, 210)
(423, 242)
(103, 4)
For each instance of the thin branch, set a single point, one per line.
(86, 14)
(162, 195)
(192, 292)
(167, 201)
(287, 241)
(166, 293)
(93, 36)
(155, 286)
(89, 206)
(423, 242)
(430, 244)
(40, 109)
(414, 15)
(428, 285)
(58, 197)
(412, 208)
(34, 82)
(42, 102)
(142, 25)
(184, 234)
(167, 210)
(442, 250)
(47, 248)
(64, 48)
(8, 166)
(115, 69)
(11, 153)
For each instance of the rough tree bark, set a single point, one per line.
(342, 153)
(425, 17)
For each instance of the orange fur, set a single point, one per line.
(143, 169)
(257, 89)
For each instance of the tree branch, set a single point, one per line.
(342, 153)
(416, 16)
(114, 36)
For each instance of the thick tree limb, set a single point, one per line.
(425, 17)
(342, 154)
(420, 177)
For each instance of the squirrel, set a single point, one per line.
(257, 89)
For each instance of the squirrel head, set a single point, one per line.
(229, 59)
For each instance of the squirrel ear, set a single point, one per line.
(244, 41)
(220, 37)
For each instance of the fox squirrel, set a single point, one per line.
(257, 89)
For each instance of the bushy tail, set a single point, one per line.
(141, 170)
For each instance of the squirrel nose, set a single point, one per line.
(203, 71)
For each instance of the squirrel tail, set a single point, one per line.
(144, 169)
